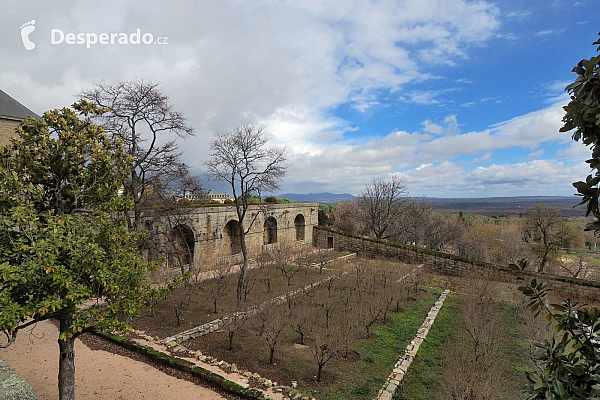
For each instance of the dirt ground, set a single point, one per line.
(99, 374)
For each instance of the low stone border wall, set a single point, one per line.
(401, 367)
(411, 273)
(449, 264)
(13, 386)
(185, 366)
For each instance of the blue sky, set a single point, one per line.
(459, 98)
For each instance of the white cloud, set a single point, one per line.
(351, 163)
(576, 151)
(426, 97)
(518, 14)
(538, 177)
(549, 32)
(430, 127)
(288, 65)
(486, 157)
(536, 154)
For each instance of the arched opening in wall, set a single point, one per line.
(300, 225)
(232, 237)
(181, 252)
(270, 234)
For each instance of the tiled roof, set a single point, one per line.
(9, 107)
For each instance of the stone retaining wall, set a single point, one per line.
(449, 264)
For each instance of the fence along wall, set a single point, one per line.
(448, 264)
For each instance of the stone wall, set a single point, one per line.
(212, 230)
(7, 129)
(449, 264)
(13, 386)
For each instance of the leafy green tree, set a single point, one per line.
(583, 114)
(570, 359)
(63, 254)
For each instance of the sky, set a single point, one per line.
(458, 98)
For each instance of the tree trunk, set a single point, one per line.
(66, 363)
(242, 279)
(544, 260)
(231, 340)
(271, 355)
(319, 372)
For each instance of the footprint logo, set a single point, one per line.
(26, 29)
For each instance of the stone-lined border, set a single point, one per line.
(186, 366)
(12, 385)
(414, 271)
(401, 367)
(217, 324)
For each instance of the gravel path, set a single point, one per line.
(99, 374)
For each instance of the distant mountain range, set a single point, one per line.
(490, 206)
(316, 197)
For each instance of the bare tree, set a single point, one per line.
(441, 233)
(475, 363)
(410, 228)
(382, 203)
(282, 257)
(271, 327)
(243, 159)
(218, 282)
(141, 115)
(264, 263)
(300, 317)
(370, 309)
(322, 257)
(325, 345)
(347, 217)
(181, 298)
(233, 323)
(544, 229)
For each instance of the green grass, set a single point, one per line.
(379, 356)
(423, 381)
(516, 352)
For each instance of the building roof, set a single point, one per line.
(11, 108)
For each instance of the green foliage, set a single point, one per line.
(583, 115)
(323, 213)
(571, 358)
(271, 199)
(60, 243)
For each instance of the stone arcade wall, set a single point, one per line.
(212, 230)
(448, 264)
